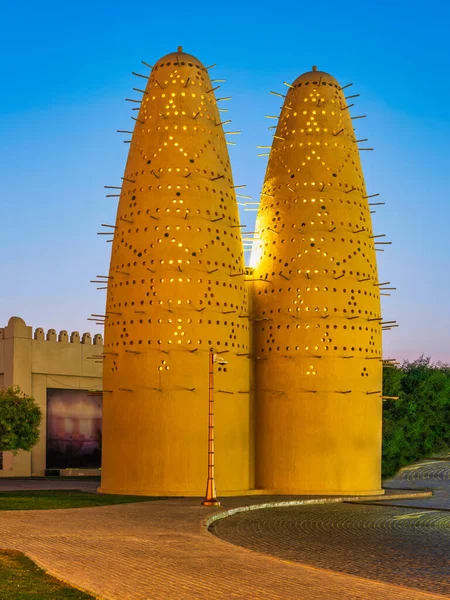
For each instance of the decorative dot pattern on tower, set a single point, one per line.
(316, 303)
(176, 290)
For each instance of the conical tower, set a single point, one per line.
(175, 292)
(316, 304)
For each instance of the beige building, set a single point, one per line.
(47, 366)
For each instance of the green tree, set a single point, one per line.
(20, 418)
(416, 425)
(394, 441)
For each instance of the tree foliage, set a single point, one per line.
(20, 418)
(416, 425)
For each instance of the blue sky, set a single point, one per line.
(66, 70)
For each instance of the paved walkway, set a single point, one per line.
(162, 550)
(432, 474)
(402, 541)
(65, 483)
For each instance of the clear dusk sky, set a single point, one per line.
(66, 71)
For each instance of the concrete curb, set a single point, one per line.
(233, 511)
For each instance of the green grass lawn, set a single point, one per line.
(22, 579)
(51, 499)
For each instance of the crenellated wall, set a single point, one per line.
(38, 361)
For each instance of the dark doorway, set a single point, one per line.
(74, 429)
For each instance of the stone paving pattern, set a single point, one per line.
(162, 550)
(433, 475)
(63, 483)
(406, 542)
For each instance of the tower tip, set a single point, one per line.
(314, 68)
(180, 48)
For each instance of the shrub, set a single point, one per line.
(20, 418)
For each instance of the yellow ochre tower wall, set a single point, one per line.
(316, 305)
(176, 291)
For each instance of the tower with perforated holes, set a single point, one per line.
(176, 291)
(316, 302)
(298, 395)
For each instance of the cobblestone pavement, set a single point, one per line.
(65, 483)
(430, 474)
(406, 542)
(161, 550)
